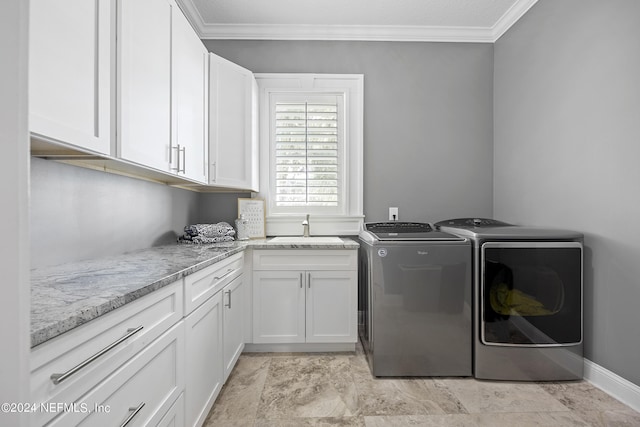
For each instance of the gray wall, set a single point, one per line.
(567, 145)
(78, 213)
(427, 117)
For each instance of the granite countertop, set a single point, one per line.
(69, 295)
(301, 243)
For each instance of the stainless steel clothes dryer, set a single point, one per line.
(415, 300)
(527, 300)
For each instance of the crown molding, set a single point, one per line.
(348, 32)
(512, 16)
(405, 33)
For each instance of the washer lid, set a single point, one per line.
(483, 228)
(396, 230)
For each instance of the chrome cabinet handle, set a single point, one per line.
(300, 280)
(213, 176)
(229, 271)
(309, 280)
(184, 159)
(179, 150)
(134, 411)
(229, 294)
(58, 378)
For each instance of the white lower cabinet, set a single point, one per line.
(233, 313)
(140, 393)
(159, 361)
(214, 342)
(331, 303)
(175, 415)
(296, 305)
(204, 365)
(70, 367)
(278, 307)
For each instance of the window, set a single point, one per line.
(307, 150)
(311, 152)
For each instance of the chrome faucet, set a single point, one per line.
(305, 227)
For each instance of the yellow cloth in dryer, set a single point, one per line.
(512, 301)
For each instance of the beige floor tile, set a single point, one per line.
(624, 418)
(337, 389)
(308, 386)
(417, 420)
(313, 422)
(528, 419)
(502, 396)
(582, 396)
(239, 398)
(388, 396)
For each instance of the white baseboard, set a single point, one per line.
(299, 347)
(613, 384)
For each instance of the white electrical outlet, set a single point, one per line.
(393, 214)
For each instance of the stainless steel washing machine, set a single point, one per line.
(528, 313)
(415, 300)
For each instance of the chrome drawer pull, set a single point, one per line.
(58, 378)
(134, 412)
(229, 271)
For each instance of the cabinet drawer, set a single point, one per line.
(305, 259)
(175, 415)
(144, 389)
(94, 350)
(203, 284)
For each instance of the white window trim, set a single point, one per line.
(351, 87)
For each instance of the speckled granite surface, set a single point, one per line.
(69, 295)
(270, 244)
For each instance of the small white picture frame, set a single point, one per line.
(253, 211)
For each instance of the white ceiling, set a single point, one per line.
(400, 20)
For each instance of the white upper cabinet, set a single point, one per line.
(233, 152)
(144, 75)
(190, 98)
(71, 73)
(131, 80)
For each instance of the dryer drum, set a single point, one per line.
(539, 291)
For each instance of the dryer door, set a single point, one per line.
(531, 293)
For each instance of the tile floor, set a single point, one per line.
(337, 389)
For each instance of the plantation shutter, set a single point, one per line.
(307, 153)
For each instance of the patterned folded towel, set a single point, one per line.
(207, 233)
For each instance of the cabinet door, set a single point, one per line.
(278, 307)
(189, 83)
(234, 300)
(204, 375)
(230, 124)
(331, 307)
(144, 105)
(142, 390)
(255, 136)
(71, 63)
(175, 415)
